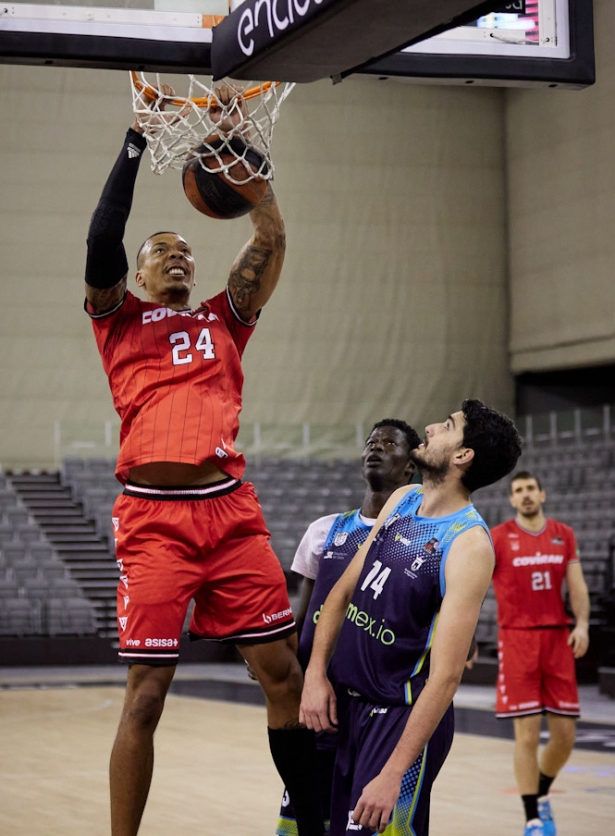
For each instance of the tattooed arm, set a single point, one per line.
(257, 268)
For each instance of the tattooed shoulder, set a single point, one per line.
(105, 298)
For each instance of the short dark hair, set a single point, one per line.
(525, 474)
(411, 435)
(495, 441)
(148, 239)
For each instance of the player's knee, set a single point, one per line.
(564, 735)
(144, 703)
(279, 674)
(143, 710)
(527, 734)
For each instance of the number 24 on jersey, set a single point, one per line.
(182, 346)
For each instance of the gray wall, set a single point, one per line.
(561, 173)
(393, 299)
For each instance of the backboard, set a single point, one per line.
(547, 43)
(525, 43)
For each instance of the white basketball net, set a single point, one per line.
(175, 127)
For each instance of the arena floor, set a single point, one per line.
(213, 771)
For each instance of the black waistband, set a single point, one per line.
(183, 493)
(539, 627)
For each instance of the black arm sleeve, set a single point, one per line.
(106, 262)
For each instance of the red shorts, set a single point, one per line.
(536, 673)
(209, 544)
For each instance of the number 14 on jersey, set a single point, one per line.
(376, 579)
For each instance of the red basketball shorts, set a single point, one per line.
(536, 673)
(209, 544)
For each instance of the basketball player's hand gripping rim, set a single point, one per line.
(228, 110)
(318, 703)
(375, 807)
(148, 116)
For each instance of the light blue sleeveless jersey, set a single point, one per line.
(383, 648)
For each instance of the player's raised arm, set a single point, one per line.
(106, 269)
(257, 268)
(107, 266)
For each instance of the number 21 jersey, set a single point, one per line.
(530, 568)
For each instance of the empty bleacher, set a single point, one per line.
(38, 595)
(56, 537)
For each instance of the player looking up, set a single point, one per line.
(536, 648)
(403, 615)
(327, 547)
(186, 527)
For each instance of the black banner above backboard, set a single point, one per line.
(511, 7)
(306, 40)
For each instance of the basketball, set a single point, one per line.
(214, 193)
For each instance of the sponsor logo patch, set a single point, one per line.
(161, 642)
(431, 546)
(276, 616)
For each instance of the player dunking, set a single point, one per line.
(186, 526)
(403, 615)
(536, 649)
(327, 547)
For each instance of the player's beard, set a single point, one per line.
(433, 472)
(529, 513)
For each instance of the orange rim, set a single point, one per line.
(204, 101)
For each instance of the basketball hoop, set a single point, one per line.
(199, 124)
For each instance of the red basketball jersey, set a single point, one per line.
(529, 571)
(176, 381)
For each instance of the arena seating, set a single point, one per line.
(579, 479)
(38, 596)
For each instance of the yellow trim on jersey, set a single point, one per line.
(432, 631)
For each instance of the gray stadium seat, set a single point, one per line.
(66, 617)
(14, 555)
(40, 552)
(8, 585)
(101, 466)
(93, 499)
(19, 617)
(27, 572)
(51, 570)
(28, 533)
(71, 466)
(7, 535)
(64, 587)
(8, 499)
(33, 588)
(17, 516)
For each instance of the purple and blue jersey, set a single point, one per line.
(384, 645)
(344, 539)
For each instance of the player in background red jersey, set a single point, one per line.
(186, 527)
(536, 648)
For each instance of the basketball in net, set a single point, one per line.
(218, 135)
(225, 178)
